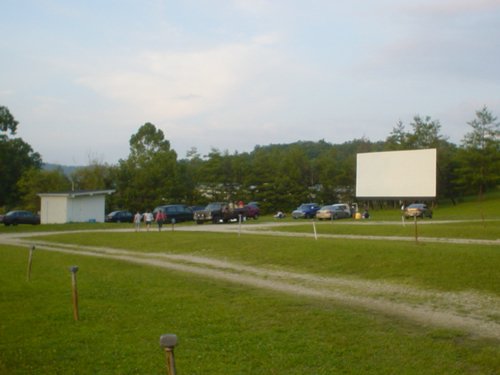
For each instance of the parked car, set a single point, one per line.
(306, 211)
(334, 212)
(197, 208)
(220, 212)
(252, 210)
(177, 212)
(20, 217)
(418, 210)
(119, 217)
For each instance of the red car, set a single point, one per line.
(252, 211)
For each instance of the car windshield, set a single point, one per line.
(305, 206)
(339, 207)
(213, 206)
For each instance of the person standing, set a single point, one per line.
(148, 218)
(137, 221)
(160, 219)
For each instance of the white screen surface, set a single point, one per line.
(396, 174)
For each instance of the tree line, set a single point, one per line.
(278, 176)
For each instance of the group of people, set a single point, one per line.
(148, 219)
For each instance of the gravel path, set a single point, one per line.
(472, 312)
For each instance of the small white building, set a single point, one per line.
(73, 206)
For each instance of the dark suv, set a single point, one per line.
(177, 212)
(306, 211)
(119, 217)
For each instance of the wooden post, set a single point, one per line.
(168, 342)
(74, 270)
(30, 260)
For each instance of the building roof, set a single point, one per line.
(77, 193)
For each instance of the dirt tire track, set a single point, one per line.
(475, 313)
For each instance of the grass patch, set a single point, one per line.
(428, 265)
(487, 230)
(227, 328)
(222, 328)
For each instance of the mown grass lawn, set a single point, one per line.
(487, 230)
(428, 265)
(222, 328)
(228, 328)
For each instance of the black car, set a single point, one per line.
(177, 212)
(20, 217)
(119, 217)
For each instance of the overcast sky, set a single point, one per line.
(81, 76)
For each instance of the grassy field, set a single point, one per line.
(233, 328)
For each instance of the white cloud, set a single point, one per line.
(175, 85)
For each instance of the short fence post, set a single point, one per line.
(168, 342)
(416, 230)
(30, 260)
(239, 224)
(74, 270)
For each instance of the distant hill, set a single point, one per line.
(67, 169)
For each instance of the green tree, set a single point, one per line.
(216, 175)
(95, 176)
(426, 133)
(7, 122)
(479, 155)
(35, 181)
(16, 157)
(147, 178)
(261, 176)
(188, 177)
(398, 138)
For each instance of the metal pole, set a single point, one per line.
(74, 270)
(30, 259)
(416, 230)
(168, 342)
(239, 225)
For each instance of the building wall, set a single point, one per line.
(54, 210)
(60, 209)
(86, 208)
